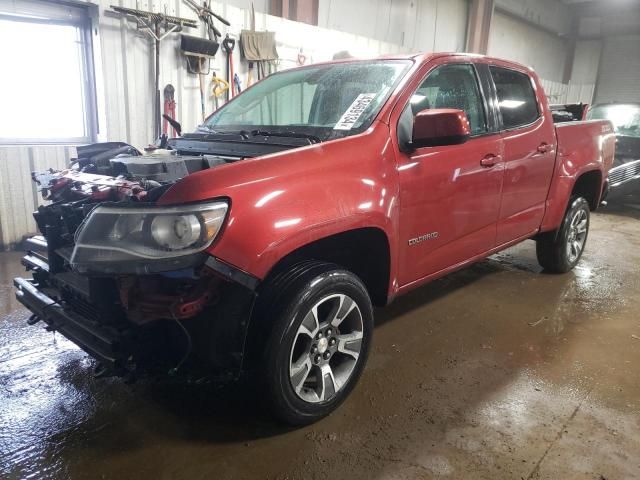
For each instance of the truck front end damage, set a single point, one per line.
(129, 281)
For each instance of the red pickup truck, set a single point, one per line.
(259, 243)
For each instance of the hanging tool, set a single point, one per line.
(202, 107)
(302, 58)
(236, 82)
(154, 24)
(228, 44)
(257, 47)
(198, 49)
(250, 74)
(174, 124)
(220, 87)
(206, 15)
(199, 53)
(169, 109)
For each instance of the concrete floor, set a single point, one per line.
(497, 371)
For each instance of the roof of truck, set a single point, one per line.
(425, 56)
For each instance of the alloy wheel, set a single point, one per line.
(326, 348)
(577, 235)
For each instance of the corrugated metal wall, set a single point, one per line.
(619, 79)
(18, 195)
(558, 92)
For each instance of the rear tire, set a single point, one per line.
(319, 343)
(560, 251)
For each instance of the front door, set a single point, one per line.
(449, 201)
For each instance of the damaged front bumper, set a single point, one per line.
(145, 331)
(104, 344)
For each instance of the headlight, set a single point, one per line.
(145, 239)
(176, 231)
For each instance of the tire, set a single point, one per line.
(301, 345)
(560, 251)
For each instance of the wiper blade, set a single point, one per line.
(243, 133)
(246, 135)
(266, 133)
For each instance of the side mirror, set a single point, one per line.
(440, 126)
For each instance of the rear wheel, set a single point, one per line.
(318, 345)
(560, 251)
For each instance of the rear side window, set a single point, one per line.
(516, 98)
(452, 86)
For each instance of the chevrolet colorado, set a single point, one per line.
(259, 243)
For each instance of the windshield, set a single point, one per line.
(325, 101)
(625, 118)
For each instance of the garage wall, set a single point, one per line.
(551, 15)
(586, 60)
(619, 77)
(424, 25)
(18, 196)
(516, 40)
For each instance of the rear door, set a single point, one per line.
(529, 152)
(449, 201)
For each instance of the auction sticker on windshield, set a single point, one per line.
(355, 110)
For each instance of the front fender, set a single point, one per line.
(284, 201)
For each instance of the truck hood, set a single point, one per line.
(262, 172)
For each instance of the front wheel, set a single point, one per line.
(319, 343)
(560, 251)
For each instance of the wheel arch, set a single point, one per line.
(588, 185)
(364, 251)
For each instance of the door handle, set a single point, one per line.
(543, 147)
(489, 160)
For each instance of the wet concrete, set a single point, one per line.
(498, 371)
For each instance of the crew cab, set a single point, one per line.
(259, 244)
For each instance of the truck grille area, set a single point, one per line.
(624, 173)
(82, 307)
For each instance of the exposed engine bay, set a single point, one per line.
(116, 171)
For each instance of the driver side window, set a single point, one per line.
(452, 86)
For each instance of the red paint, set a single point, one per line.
(441, 122)
(480, 196)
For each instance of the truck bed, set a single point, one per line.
(588, 139)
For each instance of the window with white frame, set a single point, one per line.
(46, 84)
